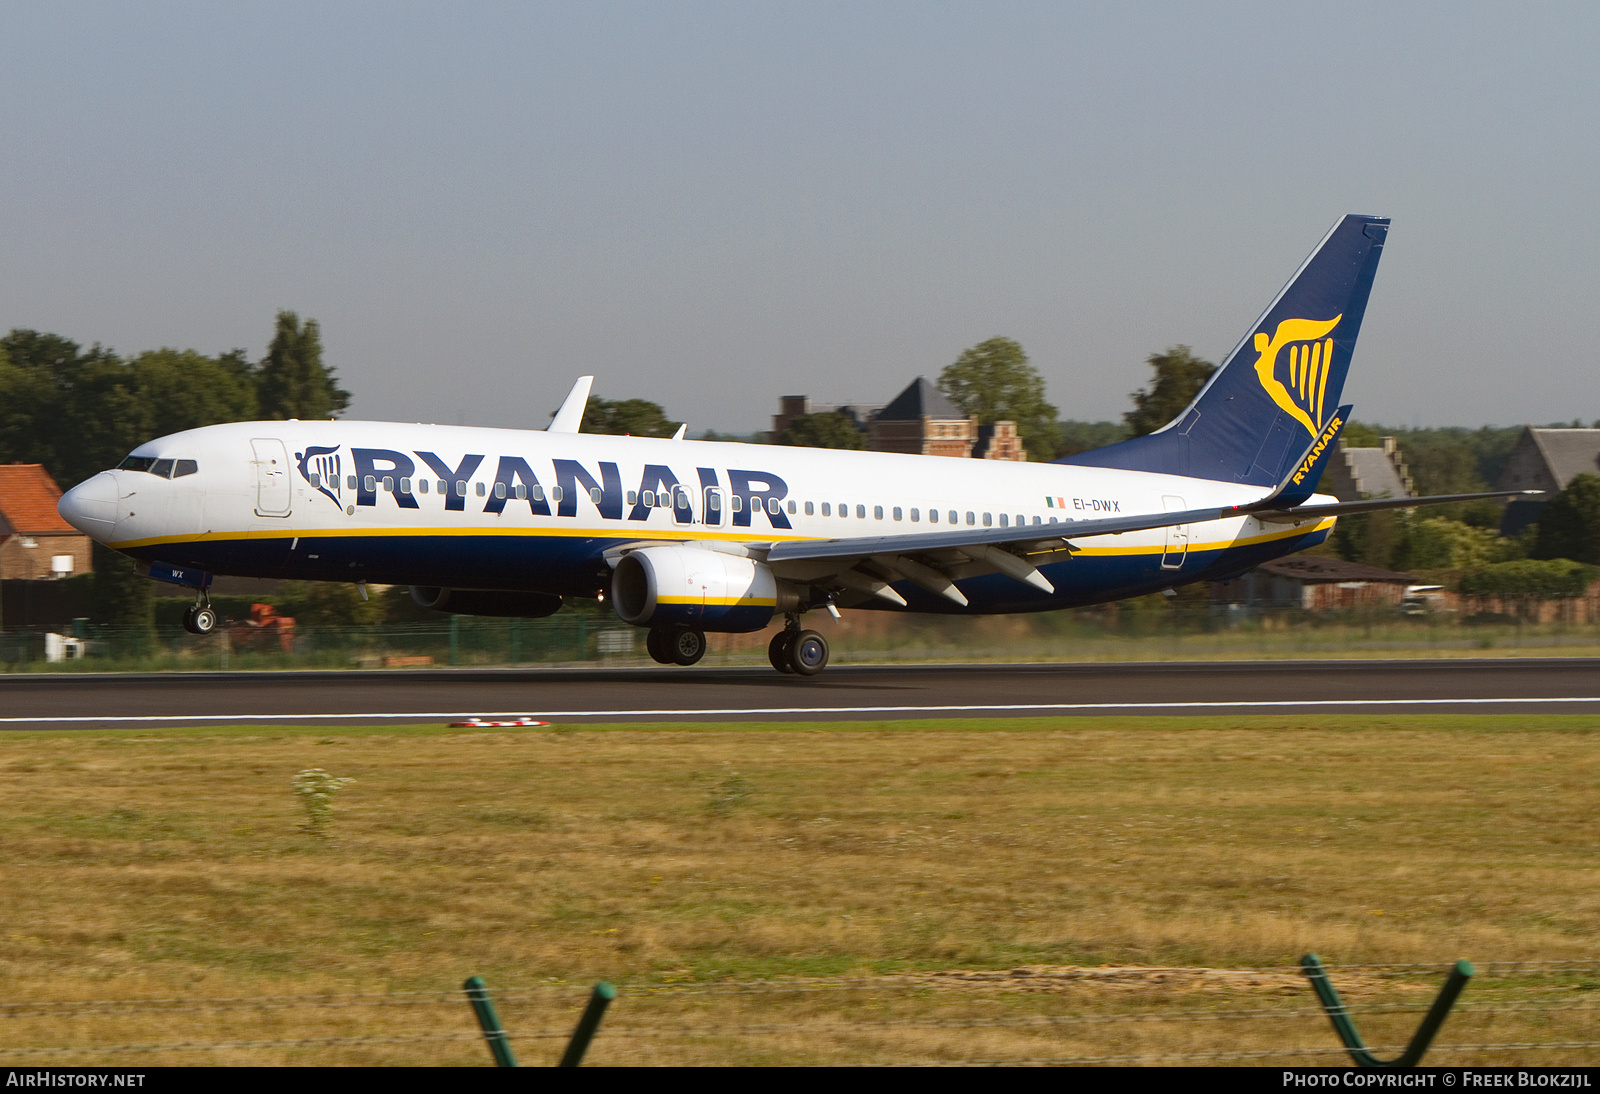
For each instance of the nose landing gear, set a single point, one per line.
(201, 618)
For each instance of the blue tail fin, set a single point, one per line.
(1279, 388)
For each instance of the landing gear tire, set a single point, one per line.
(656, 643)
(778, 652)
(200, 619)
(808, 653)
(686, 647)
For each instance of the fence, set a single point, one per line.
(1523, 1013)
(1183, 632)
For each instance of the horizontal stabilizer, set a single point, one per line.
(1262, 511)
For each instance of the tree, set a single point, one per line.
(626, 417)
(292, 381)
(829, 429)
(1569, 523)
(1179, 377)
(993, 381)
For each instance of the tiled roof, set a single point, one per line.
(1314, 568)
(28, 497)
(920, 400)
(1569, 452)
(1374, 473)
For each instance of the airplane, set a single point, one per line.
(686, 537)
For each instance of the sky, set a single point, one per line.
(712, 205)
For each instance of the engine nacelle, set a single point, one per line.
(695, 588)
(522, 605)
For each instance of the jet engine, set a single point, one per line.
(523, 605)
(697, 589)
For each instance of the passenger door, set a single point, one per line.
(1177, 547)
(272, 477)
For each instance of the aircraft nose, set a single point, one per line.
(91, 506)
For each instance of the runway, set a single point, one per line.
(844, 692)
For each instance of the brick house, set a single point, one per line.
(1545, 459)
(35, 543)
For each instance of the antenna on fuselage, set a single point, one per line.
(570, 416)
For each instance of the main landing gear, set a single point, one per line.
(792, 650)
(675, 645)
(201, 618)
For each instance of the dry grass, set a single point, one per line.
(668, 858)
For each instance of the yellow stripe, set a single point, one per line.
(719, 601)
(1327, 362)
(1063, 531)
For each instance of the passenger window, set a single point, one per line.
(827, 509)
(370, 483)
(1052, 520)
(633, 497)
(916, 515)
(315, 480)
(792, 509)
(773, 506)
(714, 502)
(988, 521)
(844, 509)
(185, 467)
(405, 486)
(444, 487)
(954, 517)
(556, 494)
(877, 512)
(1021, 520)
(1003, 519)
(422, 486)
(350, 482)
(461, 488)
(481, 490)
(737, 503)
(810, 510)
(1036, 520)
(933, 516)
(388, 484)
(500, 491)
(972, 518)
(649, 499)
(896, 512)
(538, 492)
(522, 492)
(861, 512)
(595, 493)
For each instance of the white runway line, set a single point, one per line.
(1240, 704)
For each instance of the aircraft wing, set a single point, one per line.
(935, 559)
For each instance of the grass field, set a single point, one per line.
(683, 861)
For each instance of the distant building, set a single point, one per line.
(919, 421)
(1545, 459)
(922, 421)
(1313, 584)
(1357, 473)
(791, 407)
(999, 442)
(35, 543)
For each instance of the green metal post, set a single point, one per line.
(455, 639)
(598, 1001)
(1339, 1015)
(583, 638)
(499, 1044)
(516, 641)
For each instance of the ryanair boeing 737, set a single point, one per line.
(684, 537)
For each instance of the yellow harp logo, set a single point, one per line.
(1309, 359)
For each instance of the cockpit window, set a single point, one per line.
(166, 469)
